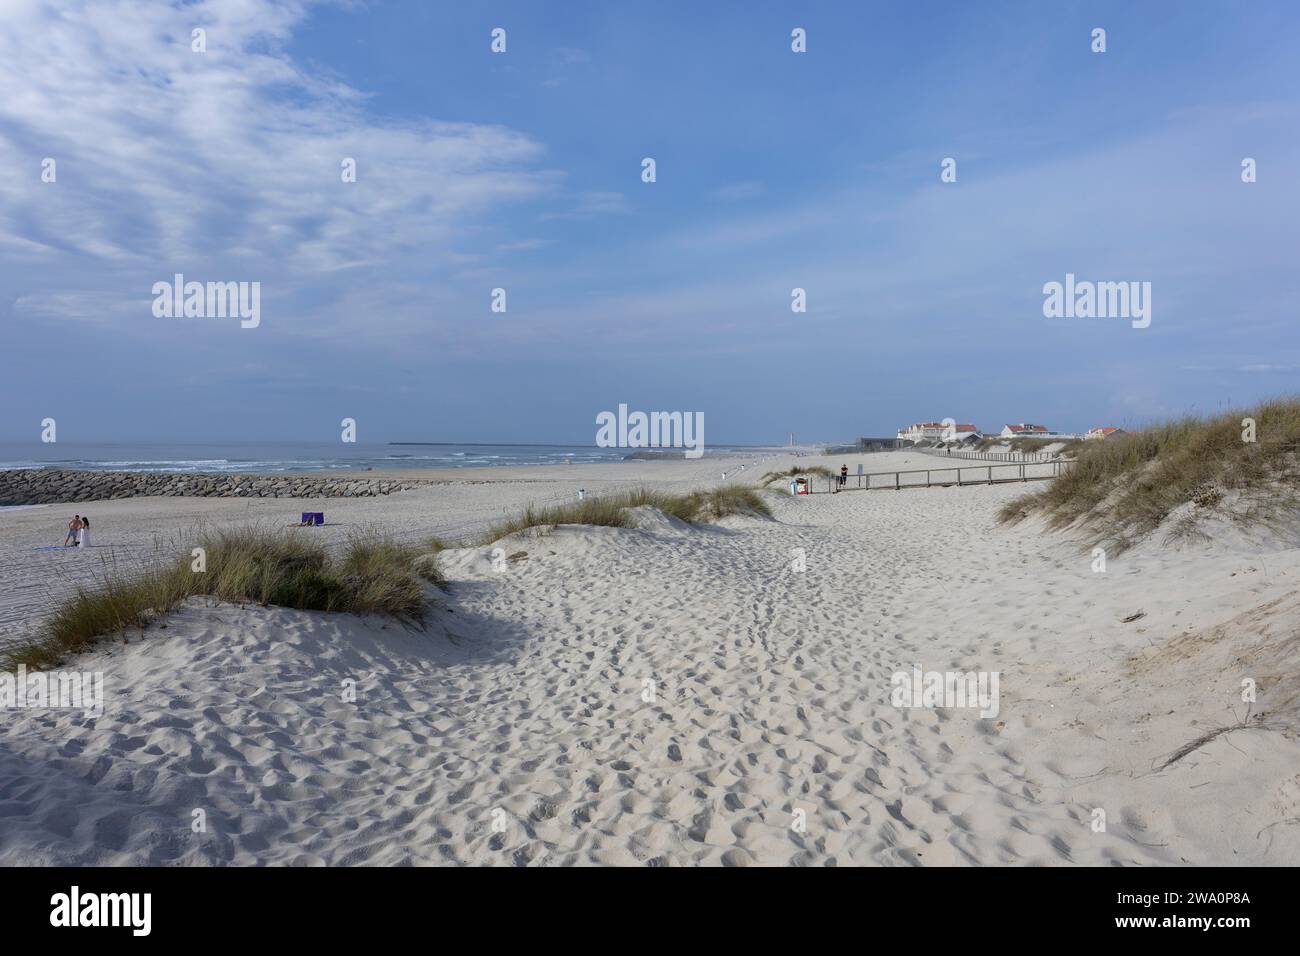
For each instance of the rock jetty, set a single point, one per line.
(52, 486)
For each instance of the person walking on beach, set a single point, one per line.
(844, 475)
(83, 534)
(73, 527)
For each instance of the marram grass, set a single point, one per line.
(373, 575)
(1124, 488)
(611, 511)
(772, 476)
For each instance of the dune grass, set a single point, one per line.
(381, 576)
(425, 562)
(1069, 446)
(1123, 488)
(772, 476)
(374, 575)
(117, 602)
(611, 511)
(726, 500)
(1031, 446)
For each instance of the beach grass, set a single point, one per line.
(726, 500)
(1124, 488)
(374, 575)
(115, 603)
(1023, 445)
(1030, 446)
(611, 511)
(772, 476)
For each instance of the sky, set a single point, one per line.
(522, 170)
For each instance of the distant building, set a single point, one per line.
(921, 431)
(1103, 432)
(877, 444)
(1024, 430)
(936, 431)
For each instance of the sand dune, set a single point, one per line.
(672, 695)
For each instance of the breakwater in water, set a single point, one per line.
(52, 486)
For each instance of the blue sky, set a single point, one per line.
(522, 170)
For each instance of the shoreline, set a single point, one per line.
(22, 486)
(456, 504)
(317, 459)
(135, 530)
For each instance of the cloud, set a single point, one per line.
(560, 62)
(1253, 369)
(737, 192)
(100, 307)
(524, 245)
(226, 162)
(588, 205)
(569, 56)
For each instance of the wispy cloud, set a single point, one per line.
(525, 245)
(1253, 369)
(590, 204)
(229, 160)
(737, 192)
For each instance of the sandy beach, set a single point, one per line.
(675, 694)
(460, 504)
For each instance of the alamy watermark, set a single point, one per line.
(70, 690)
(131, 911)
(213, 300)
(932, 689)
(652, 430)
(1098, 300)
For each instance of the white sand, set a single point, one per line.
(131, 532)
(522, 704)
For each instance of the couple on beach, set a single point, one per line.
(78, 532)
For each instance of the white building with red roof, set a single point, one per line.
(1025, 430)
(946, 430)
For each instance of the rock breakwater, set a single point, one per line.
(52, 486)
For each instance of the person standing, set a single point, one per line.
(83, 535)
(844, 475)
(73, 527)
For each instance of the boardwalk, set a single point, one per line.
(944, 476)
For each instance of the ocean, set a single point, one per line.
(271, 457)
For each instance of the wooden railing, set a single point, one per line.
(958, 475)
(1007, 456)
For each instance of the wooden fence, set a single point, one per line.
(1007, 456)
(957, 475)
